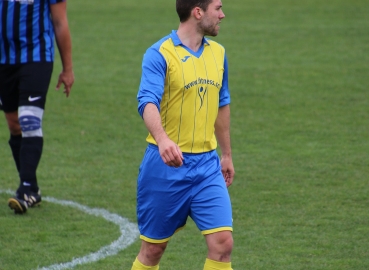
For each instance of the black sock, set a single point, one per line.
(15, 143)
(23, 190)
(30, 155)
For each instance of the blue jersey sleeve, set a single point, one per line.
(151, 87)
(224, 95)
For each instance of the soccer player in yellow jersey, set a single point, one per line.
(184, 101)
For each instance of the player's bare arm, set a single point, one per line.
(222, 132)
(169, 151)
(63, 40)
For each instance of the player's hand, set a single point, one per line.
(67, 79)
(170, 153)
(227, 170)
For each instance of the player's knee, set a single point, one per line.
(155, 251)
(220, 245)
(228, 246)
(225, 244)
(30, 120)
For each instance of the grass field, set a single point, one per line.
(300, 134)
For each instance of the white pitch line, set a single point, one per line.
(129, 233)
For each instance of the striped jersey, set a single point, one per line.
(188, 88)
(26, 31)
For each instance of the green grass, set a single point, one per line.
(300, 135)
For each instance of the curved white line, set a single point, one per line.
(129, 233)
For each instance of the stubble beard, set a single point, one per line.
(210, 29)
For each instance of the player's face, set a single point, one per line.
(212, 18)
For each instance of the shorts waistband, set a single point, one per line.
(154, 146)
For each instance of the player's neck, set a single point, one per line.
(190, 37)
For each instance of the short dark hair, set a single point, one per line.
(184, 7)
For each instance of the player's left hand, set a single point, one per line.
(227, 170)
(67, 79)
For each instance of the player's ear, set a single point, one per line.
(197, 13)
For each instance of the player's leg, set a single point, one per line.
(212, 212)
(220, 246)
(30, 119)
(162, 206)
(33, 86)
(15, 140)
(149, 256)
(19, 205)
(9, 96)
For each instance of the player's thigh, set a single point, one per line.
(34, 84)
(9, 91)
(211, 210)
(211, 207)
(163, 197)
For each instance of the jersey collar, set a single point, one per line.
(177, 41)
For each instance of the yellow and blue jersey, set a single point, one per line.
(188, 88)
(26, 31)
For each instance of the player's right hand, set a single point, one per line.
(171, 153)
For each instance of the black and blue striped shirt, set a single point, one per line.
(26, 31)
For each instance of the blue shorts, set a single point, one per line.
(166, 196)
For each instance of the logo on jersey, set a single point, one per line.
(185, 58)
(201, 92)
